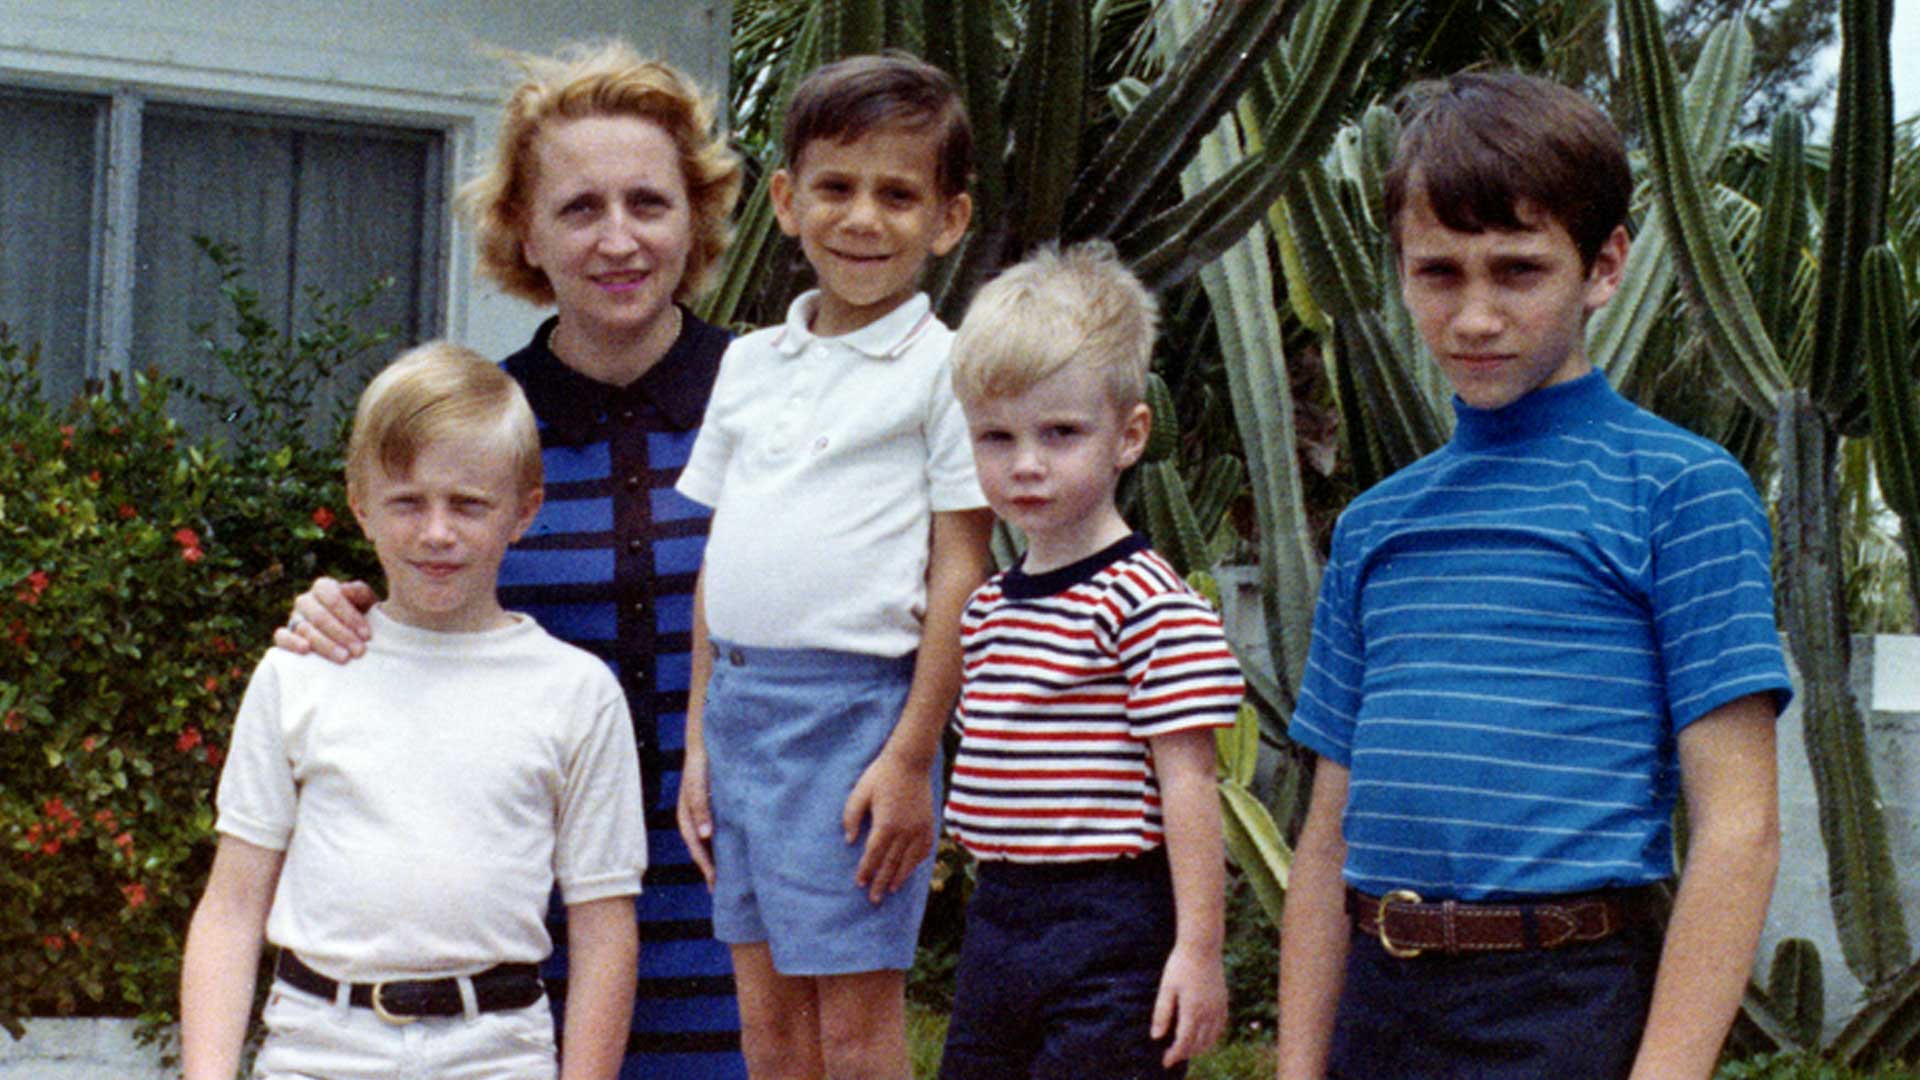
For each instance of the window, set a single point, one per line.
(101, 198)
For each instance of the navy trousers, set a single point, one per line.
(1574, 1013)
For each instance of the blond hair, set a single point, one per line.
(598, 80)
(1052, 309)
(438, 391)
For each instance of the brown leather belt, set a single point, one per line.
(1407, 926)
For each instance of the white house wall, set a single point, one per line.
(415, 63)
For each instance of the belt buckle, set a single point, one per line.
(1405, 896)
(380, 1009)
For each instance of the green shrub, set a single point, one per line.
(141, 572)
(1793, 1066)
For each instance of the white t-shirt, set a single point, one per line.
(429, 794)
(824, 460)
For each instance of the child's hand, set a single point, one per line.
(1192, 1003)
(899, 798)
(694, 815)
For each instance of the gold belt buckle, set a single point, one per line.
(1405, 896)
(400, 1020)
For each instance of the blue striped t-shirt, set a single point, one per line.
(1512, 630)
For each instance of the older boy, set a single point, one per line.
(395, 827)
(1084, 783)
(1528, 645)
(848, 529)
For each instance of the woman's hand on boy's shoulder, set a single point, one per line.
(329, 619)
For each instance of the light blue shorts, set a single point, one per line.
(788, 733)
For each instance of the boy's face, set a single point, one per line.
(1049, 459)
(1504, 312)
(868, 212)
(441, 530)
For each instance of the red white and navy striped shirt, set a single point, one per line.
(1067, 675)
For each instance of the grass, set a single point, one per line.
(1242, 1060)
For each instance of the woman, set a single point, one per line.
(608, 197)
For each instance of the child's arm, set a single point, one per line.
(692, 810)
(1314, 930)
(1192, 1003)
(1727, 768)
(223, 952)
(603, 958)
(895, 789)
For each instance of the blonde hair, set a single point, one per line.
(594, 80)
(438, 391)
(1052, 309)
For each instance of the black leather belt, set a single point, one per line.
(506, 986)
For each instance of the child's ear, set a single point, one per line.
(958, 215)
(1609, 267)
(1135, 427)
(780, 190)
(529, 509)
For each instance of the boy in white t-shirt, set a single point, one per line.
(396, 827)
(848, 529)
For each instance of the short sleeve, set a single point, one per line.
(1712, 567)
(601, 845)
(1181, 673)
(256, 798)
(952, 481)
(704, 474)
(1329, 704)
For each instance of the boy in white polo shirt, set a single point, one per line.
(396, 827)
(848, 529)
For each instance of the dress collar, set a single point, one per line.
(885, 338)
(677, 386)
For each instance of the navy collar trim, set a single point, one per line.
(1016, 584)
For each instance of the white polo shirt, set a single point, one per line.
(824, 460)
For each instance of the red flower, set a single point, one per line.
(323, 517)
(12, 721)
(188, 739)
(136, 894)
(33, 587)
(18, 632)
(105, 819)
(125, 843)
(127, 511)
(66, 436)
(94, 478)
(212, 683)
(186, 537)
(54, 942)
(51, 847)
(57, 810)
(89, 743)
(212, 754)
(192, 554)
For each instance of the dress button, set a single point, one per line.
(634, 545)
(639, 676)
(633, 483)
(627, 416)
(638, 607)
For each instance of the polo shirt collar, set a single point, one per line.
(885, 338)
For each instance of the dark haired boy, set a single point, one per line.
(848, 530)
(1528, 645)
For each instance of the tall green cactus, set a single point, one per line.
(1811, 411)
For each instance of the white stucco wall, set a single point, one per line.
(374, 60)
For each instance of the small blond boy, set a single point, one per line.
(395, 827)
(848, 528)
(1084, 783)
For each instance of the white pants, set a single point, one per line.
(311, 1038)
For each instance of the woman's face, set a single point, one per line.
(608, 222)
